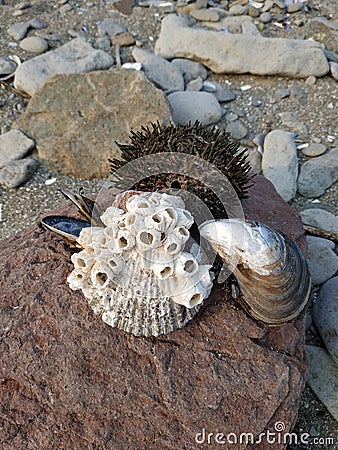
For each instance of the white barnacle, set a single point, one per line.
(135, 271)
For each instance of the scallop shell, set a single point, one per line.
(272, 273)
(137, 272)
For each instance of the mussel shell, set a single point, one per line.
(67, 227)
(280, 296)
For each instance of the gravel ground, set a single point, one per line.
(23, 206)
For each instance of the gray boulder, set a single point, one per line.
(76, 56)
(237, 53)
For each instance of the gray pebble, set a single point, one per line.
(237, 129)
(238, 10)
(323, 378)
(255, 159)
(224, 95)
(280, 4)
(282, 93)
(318, 174)
(314, 149)
(294, 7)
(194, 85)
(190, 69)
(280, 164)
(37, 24)
(17, 172)
(7, 66)
(311, 80)
(66, 8)
(291, 121)
(268, 4)
(265, 17)
(231, 117)
(209, 87)
(322, 261)
(252, 11)
(334, 70)
(192, 106)
(325, 315)
(110, 27)
(34, 44)
(18, 30)
(103, 43)
(161, 72)
(207, 15)
(323, 241)
(14, 145)
(298, 94)
(320, 218)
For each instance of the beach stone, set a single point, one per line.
(208, 15)
(282, 93)
(253, 11)
(325, 316)
(334, 70)
(191, 106)
(75, 119)
(320, 240)
(250, 28)
(322, 261)
(19, 30)
(298, 94)
(7, 66)
(320, 218)
(109, 27)
(190, 69)
(265, 17)
(34, 44)
(238, 10)
(255, 159)
(322, 30)
(234, 24)
(14, 145)
(123, 39)
(314, 149)
(194, 85)
(294, 7)
(237, 129)
(224, 95)
(280, 164)
(76, 56)
(17, 172)
(123, 392)
(237, 53)
(318, 174)
(323, 378)
(164, 75)
(291, 121)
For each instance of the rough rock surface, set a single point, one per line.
(227, 53)
(76, 56)
(75, 119)
(14, 145)
(70, 381)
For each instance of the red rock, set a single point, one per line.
(69, 381)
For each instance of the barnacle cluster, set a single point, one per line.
(140, 256)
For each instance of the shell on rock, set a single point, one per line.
(136, 270)
(271, 271)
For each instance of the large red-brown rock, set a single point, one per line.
(69, 381)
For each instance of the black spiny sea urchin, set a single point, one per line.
(211, 144)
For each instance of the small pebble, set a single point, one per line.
(265, 17)
(334, 70)
(209, 87)
(194, 85)
(17, 172)
(50, 181)
(294, 7)
(34, 44)
(282, 93)
(236, 129)
(314, 149)
(123, 39)
(311, 80)
(238, 10)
